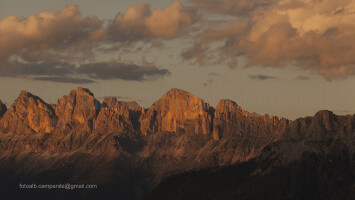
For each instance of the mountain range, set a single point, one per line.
(178, 148)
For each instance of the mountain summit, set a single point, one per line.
(178, 111)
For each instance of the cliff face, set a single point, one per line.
(78, 108)
(322, 126)
(3, 109)
(117, 116)
(28, 115)
(242, 135)
(232, 120)
(178, 111)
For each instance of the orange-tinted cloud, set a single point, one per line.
(231, 7)
(33, 38)
(46, 46)
(310, 34)
(67, 34)
(142, 22)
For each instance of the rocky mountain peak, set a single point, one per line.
(28, 114)
(79, 107)
(178, 111)
(3, 109)
(25, 93)
(83, 91)
(324, 115)
(112, 102)
(178, 91)
(226, 105)
(179, 99)
(109, 102)
(323, 125)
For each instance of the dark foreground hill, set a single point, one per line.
(292, 168)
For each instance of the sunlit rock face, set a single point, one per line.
(78, 108)
(117, 116)
(322, 126)
(243, 134)
(178, 111)
(230, 119)
(28, 114)
(3, 109)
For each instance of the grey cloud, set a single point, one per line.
(64, 79)
(262, 77)
(85, 73)
(302, 78)
(208, 82)
(115, 70)
(19, 69)
(231, 7)
(197, 53)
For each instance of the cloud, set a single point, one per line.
(197, 54)
(208, 82)
(84, 73)
(48, 34)
(63, 79)
(312, 35)
(68, 35)
(231, 7)
(262, 77)
(51, 68)
(140, 22)
(115, 70)
(302, 78)
(45, 46)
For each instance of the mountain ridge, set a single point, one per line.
(122, 145)
(74, 107)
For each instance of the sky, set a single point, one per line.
(289, 58)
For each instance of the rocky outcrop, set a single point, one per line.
(243, 135)
(3, 109)
(79, 108)
(117, 116)
(27, 115)
(232, 120)
(322, 126)
(178, 111)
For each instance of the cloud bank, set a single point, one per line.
(309, 34)
(314, 35)
(140, 22)
(42, 36)
(53, 43)
(84, 73)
